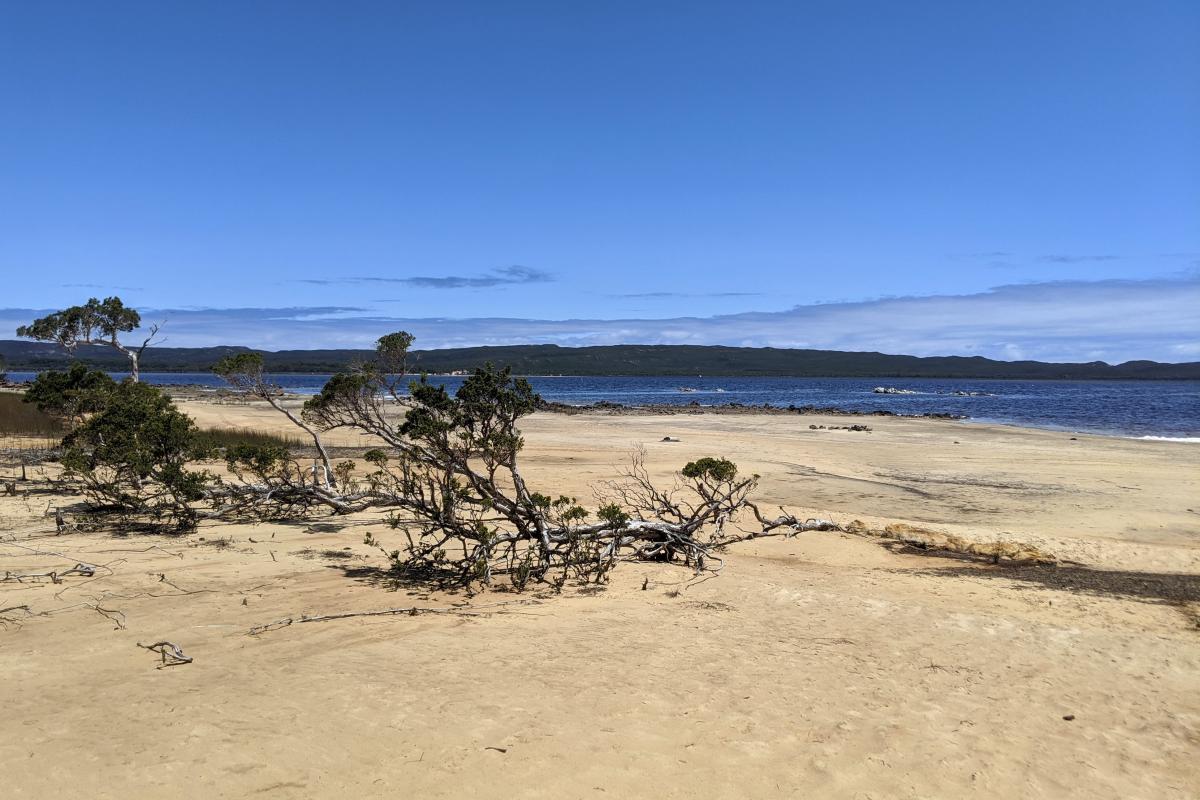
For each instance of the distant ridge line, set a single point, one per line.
(626, 359)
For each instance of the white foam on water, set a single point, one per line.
(1190, 439)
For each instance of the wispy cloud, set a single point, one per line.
(500, 276)
(981, 255)
(688, 294)
(1108, 320)
(1066, 258)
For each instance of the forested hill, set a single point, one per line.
(681, 360)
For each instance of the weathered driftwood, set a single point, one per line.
(171, 653)
(792, 524)
(55, 576)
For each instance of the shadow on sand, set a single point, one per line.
(1170, 588)
(414, 581)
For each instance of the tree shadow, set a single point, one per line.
(413, 580)
(422, 580)
(1168, 588)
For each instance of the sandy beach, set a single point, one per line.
(824, 665)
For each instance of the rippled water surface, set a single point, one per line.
(1131, 408)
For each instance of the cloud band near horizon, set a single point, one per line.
(1110, 320)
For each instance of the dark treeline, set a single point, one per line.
(681, 360)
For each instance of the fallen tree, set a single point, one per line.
(447, 472)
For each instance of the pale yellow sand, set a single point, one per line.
(820, 666)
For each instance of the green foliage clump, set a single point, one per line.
(95, 320)
(259, 459)
(480, 419)
(242, 370)
(71, 395)
(132, 455)
(718, 469)
(614, 515)
(344, 390)
(391, 353)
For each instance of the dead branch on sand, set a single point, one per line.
(6, 620)
(86, 570)
(111, 614)
(172, 654)
(413, 611)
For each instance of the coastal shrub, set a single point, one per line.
(710, 468)
(131, 456)
(71, 395)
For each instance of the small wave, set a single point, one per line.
(894, 390)
(1191, 439)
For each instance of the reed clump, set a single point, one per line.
(21, 419)
(223, 438)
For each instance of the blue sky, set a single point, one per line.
(1005, 179)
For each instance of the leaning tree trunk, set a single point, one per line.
(132, 355)
(134, 372)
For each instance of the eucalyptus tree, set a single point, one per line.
(96, 323)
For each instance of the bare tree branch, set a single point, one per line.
(172, 654)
